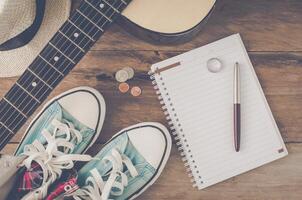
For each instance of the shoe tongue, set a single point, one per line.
(60, 116)
(48, 125)
(124, 146)
(120, 144)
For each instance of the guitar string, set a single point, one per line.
(82, 40)
(73, 50)
(1, 143)
(96, 15)
(39, 63)
(89, 31)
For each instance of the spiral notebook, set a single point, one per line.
(199, 107)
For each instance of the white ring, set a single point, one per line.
(214, 65)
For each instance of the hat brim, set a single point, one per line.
(15, 61)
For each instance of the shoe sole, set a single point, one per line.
(164, 159)
(94, 92)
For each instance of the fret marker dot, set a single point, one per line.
(76, 35)
(34, 84)
(56, 58)
(102, 5)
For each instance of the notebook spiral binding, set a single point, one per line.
(181, 141)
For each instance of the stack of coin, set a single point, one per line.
(124, 75)
(130, 72)
(121, 76)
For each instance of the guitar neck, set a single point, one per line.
(67, 47)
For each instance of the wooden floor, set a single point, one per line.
(272, 33)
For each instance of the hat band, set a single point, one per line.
(28, 34)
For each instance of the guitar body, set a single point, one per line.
(166, 21)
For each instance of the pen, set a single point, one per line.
(237, 107)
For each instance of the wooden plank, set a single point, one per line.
(280, 75)
(279, 180)
(9, 149)
(271, 25)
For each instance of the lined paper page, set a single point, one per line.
(200, 104)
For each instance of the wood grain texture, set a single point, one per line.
(271, 31)
(278, 180)
(280, 75)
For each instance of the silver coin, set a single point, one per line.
(130, 72)
(121, 76)
(214, 65)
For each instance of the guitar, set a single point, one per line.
(69, 45)
(166, 21)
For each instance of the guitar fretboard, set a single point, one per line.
(76, 36)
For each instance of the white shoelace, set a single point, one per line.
(54, 156)
(97, 189)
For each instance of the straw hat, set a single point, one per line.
(25, 28)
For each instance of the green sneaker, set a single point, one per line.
(127, 165)
(66, 127)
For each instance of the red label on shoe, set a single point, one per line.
(64, 188)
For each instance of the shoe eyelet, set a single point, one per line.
(67, 188)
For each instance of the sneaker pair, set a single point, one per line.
(62, 132)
